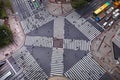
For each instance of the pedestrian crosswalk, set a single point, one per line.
(88, 30)
(59, 27)
(39, 41)
(73, 17)
(77, 44)
(30, 67)
(32, 23)
(86, 69)
(83, 25)
(57, 66)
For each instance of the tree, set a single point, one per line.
(6, 36)
(78, 3)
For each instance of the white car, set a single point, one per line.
(111, 23)
(105, 23)
(110, 10)
(116, 15)
(116, 11)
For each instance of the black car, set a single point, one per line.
(107, 18)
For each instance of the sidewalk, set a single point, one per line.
(59, 9)
(102, 49)
(18, 34)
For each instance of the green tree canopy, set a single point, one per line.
(6, 36)
(78, 3)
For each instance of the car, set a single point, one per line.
(116, 11)
(110, 10)
(107, 18)
(116, 15)
(111, 23)
(105, 23)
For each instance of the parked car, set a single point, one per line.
(116, 15)
(107, 18)
(110, 10)
(111, 23)
(105, 23)
(116, 11)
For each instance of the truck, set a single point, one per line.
(100, 16)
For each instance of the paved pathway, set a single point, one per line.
(59, 9)
(102, 49)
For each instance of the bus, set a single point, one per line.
(100, 9)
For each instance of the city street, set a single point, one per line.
(70, 45)
(56, 44)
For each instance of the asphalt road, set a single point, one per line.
(87, 10)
